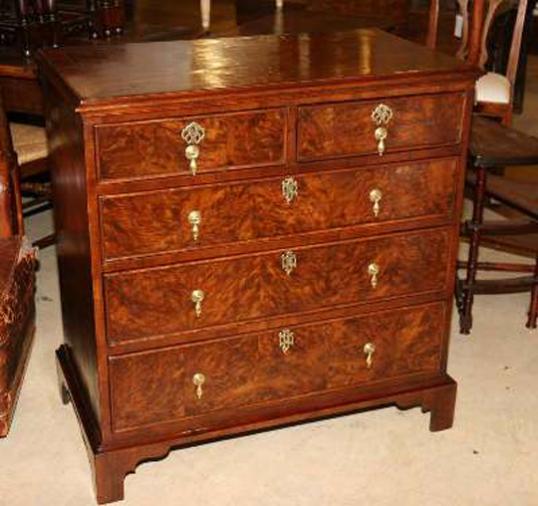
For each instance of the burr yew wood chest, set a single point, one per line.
(252, 232)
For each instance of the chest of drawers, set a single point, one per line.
(252, 232)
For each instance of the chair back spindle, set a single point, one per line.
(11, 220)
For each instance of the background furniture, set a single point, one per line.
(147, 20)
(494, 91)
(31, 24)
(30, 145)
(17, 266)
(258, 248)
(493, 146)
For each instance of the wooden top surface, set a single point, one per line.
(98, 74)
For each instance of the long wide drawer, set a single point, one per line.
(168, 300)
(169, 384)
(349, 129)
(176, 219)
(158, 148)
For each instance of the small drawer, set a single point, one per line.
(192, 296)
(351, 129)
(177, 219)
(191, 145)
(157, 387)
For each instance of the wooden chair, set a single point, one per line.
(492, 146)
(17, 282)
(30, 145)
(494, 91)
(32, 24)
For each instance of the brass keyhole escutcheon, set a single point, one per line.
(369, 350)
(375, 198)
(381, 116)
(198, 380)
(286, 340)
(195, 220)
(290, 189)
(373, 272)
(288, 261)
(193, 134)
(197, 297)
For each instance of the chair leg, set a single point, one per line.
(466, 318)
(533, 310)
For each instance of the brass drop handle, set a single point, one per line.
(286, 340)
(199, 379)
(369, 350)
(197, 297)
(192, 153)
(193, 134)
(381, 116)
(195, 219)
(290, 189)
(375, 198)
(373, 272)
(381, 133)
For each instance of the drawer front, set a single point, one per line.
(156, 148)
(184, 381)
(190, 296)
(164, 385)
(348, 129)
(172, 220)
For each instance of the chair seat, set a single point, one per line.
(519, 244)
(495, 145)
(520, 195)
(494, 88)
(29, 142)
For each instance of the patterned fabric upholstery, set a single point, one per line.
(17, 284)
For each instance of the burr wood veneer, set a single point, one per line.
(252, 232)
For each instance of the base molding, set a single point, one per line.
(110, 467)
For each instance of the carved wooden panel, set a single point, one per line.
(154, 148)
(345, 129)
(153, 222)
(159, 301)
(158, 386)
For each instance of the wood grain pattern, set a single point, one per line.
(155, 222)
(133, 342)
(405, 342)
(228, 368)
(135, 150)
(155, 387)
(345, 129)
(246, 288)
(184, 69)
(152, 375)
